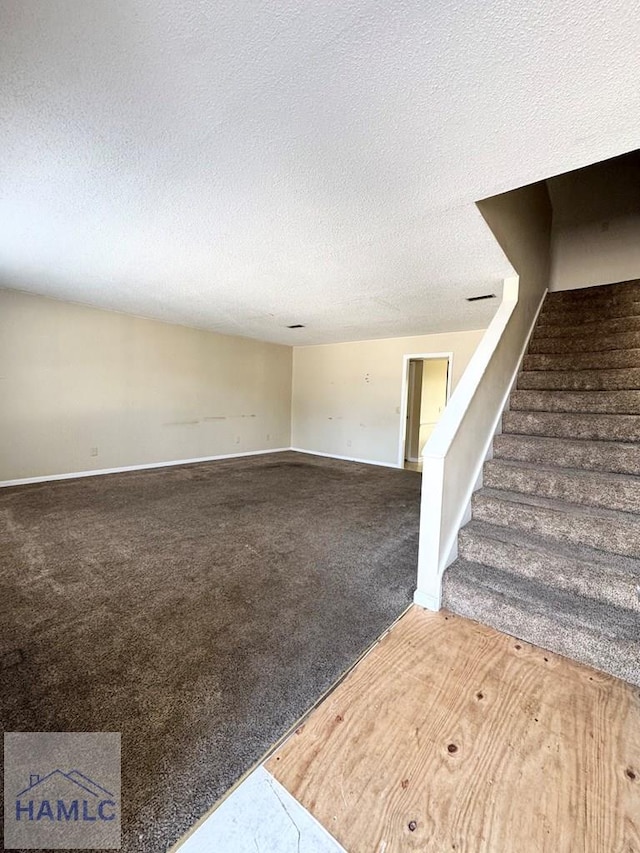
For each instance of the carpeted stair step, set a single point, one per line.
(592, 343)
(552, 553)
(580, 380)
(584, 571)
(595, 298)
(574, 315)
(587, 488)
(573, 425)
(607, 359)
(593, 633)
(597, 402)
(608, 530)
(622, 291)
(612, 456)
(588, 329)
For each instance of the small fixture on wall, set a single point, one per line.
(296, 326)
(480, 298)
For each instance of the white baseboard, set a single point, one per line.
(423, 599)
(345, 458)
(25, 481)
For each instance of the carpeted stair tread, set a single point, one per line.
(620, 291)
(612, 456)
(589, 488)
(593, 427)
(597, 402)
(596, 634)
(597, 300)
(589, 328)
(606, 529)
(579, 568)
(562, 315)
(592, 343)
(607, 359)
(615, 379)
(596, 560)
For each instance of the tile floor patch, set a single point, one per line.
(260, 816)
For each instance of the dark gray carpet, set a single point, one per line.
(199, 610)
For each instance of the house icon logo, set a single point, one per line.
(64, 796)
(62, 791)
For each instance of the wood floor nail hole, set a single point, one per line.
(479, 696)
(412, 825)
(452, 748)
(630, 774)
(518, 646)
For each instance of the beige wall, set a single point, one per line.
(596, 224)
(347, 397)
(73, 378)
(433, 398)
(585, 255)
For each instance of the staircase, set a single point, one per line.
(552, 553)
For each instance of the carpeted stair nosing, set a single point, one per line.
(608, 359)
(588, 329)
(597, 527)
(590, 402)
(568, 316)
(614, 379)
(592, 343)
(594, 427)
(615, 457)
(602, 581)
(575, 486)
(597, 635)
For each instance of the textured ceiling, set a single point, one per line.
(242, 166)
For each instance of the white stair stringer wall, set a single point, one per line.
(458, 447)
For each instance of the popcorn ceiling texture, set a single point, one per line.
(244, 167)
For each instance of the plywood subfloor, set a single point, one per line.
(452, 736)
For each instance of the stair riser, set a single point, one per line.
(570, 575)
(572, 316)
(623, 291)
(585, 490)
(483, 605)
(590, 427)
(599, 456)
(583, 361)
(593, 343)
(579, 380)
(602, 402)
(605, 534)
(587, 330)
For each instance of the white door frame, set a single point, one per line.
(405, 391)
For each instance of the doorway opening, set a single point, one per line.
(426, 389)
